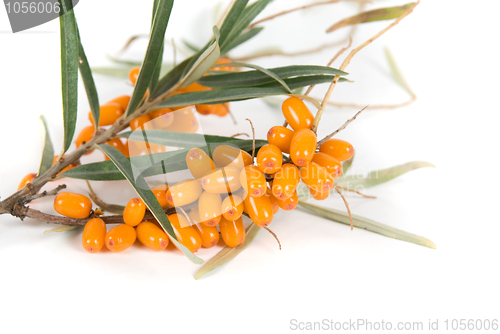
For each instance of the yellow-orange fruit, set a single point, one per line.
(319, 194)
(139, 122)
(25, 180)
(222, 181)
(332, 165)
(222, 68)
(119, 145)
(285, 181)
(134, 212)
(232, 207)
(206, 109)
(269, 159)
(109, 113)
(297, 114)
(221, 109)
(161, 118)
(337, 148)
(72, 205)
(85, 136)
(259, 209)
(120, 237)
(253, 181)
(290, 203)
(209, 207)
(199, 163)
(185, 233)
(122, 100)
(316, 177)
(194, 87)
(160, 192)
(303, 147)
(134, 74)
(93, 235)
(151, 236)
(224, 155)
(184, 192)
(232, 231)
(281, 137)
(274, 201)
(209, 234)
(184, 121)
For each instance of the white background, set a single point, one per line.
(449, 54)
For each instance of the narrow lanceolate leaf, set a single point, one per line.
(48, 150)
(244, 37)
(256, 78)
(150, 62)
(246, 17)
(228, 253)
(190, 46)
(380, 176)
(396, 73)
(69, 71)
(368, 224)
(231, 19)
(142, 189)
(203, 63)
(170, 79)
(157, 68)
(88, 82)
(381, 14)
(62, 228)
(112, 208)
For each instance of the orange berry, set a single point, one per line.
(184, 121)
(109, 113)
(209, 207)
(303, 147)
(25, 180)
(206, 109)
(222, 181)
(151, 236)
(122, 101)
(290, 203)
(134, 212)
(184, 192)
(337, 148)
(199, 163)
(274, 201)
(224, 155)
(221, 109)
(269, 159)
(281, 137)
(259, 209)
(93, 235)
(232, 207)
(161, 118)
(120, 237)
(139, 122)
(72, 205)
(160, 192)
(253, 181)
(285, 181)
(185, 233)
(119, 145)
(297, 114)
(85, 136)
(134, 74)
(232, 231)
(208, 234)
(319, 194)
(316, 177)
(194, 87)
(332, 165)
(222, 68)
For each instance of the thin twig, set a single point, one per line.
(347, 207)
(174, 50)
(52, 192)
(224, 14)
(376, 106)
(274, 235)
(253, 135)
(348, 60)
(341, 128)
(355, 191)
(230, 113)
(240, 134)
(113, 208)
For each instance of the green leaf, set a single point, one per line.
(249, 13)
(157, 68)
(228, 253)
(368, 224)
(48, 150)
(88, 82)
(381, 14)
(142, 189)
(152, 53)
(203, 63)
(170, 79)
(119, 72)
(69, 71)
(231, 19)
(256, 78)
(398, 76)
(190, 46)
(244, 37)
(380, 176)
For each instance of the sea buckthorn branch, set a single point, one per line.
(355, 191)
(349, 121)
(346, 205)
(348, 60)
(52, 192)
